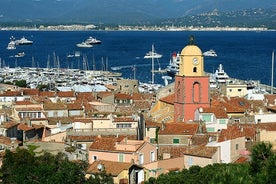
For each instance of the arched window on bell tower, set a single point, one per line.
(195, 69)
(196, 92)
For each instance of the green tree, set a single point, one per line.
(21, 83)
(260, 154)
(23, 166)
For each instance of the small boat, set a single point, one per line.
(152, 54)
(210, 52)
(84, 45)
(20, 54)
(92, 40)
(173, 66)
(23, 41)
(11, 45)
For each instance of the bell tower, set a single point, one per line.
(191, 83)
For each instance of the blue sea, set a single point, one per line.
(246, 54)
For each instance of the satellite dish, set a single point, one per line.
(100, 167)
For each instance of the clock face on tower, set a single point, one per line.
(195, 61)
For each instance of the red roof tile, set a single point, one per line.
(179, 129)
(201, 151)
(168, 99)
(113, 168)
(24, 127)
(232, 132)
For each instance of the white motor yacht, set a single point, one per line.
(11, 45)
(173, 67)
(84, 45)
(23, 41)
(210, 52)
(92, 40)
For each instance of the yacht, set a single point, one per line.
(20, 54)
(11, 45)
(84, 45)
(92, 40)
(23, 41)
(173, 67)
(210, 52)
(152, 54)
(220, 75)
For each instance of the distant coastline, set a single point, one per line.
(92, 27)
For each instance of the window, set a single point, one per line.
(152, 140)
(141, 159)
(176, 141)
(121, 157)
(195, 69)
(237, 146)
(190, 161)
(239, 90)
(94, 158)
(152, 156)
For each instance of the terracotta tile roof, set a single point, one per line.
(150, 123)
(168, 99)
(110, 86)
(142, 105)
(270, 99)
(104, 94)
(242, 159)
(74, 106)
(174, 151)
(8, 124)
(29, 109)
(271, 108)
(123, 119)
(201, 151)
(86, 96)
(122, 96)
(83, 138)
(25, 102)
(179, 129)
(5, 140)
(106, 143)
(24, 127)
(47, 94)
(63, 120)
(11, 93)
(40, 99)
(113, 168)
(267, 126)
(83, 120)
(218, 111)
(65, 94)
(54, 106)
(232, 132)
(38, 126)
(200, 139)
(231, 105)
(137, 96)
(30, 92)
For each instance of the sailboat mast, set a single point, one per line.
(272, 72)
(152, 65)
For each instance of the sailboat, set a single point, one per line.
(152, 54)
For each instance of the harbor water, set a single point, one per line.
(245, 55)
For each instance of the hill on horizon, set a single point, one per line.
(116, 11)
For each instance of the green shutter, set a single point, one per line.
(176, 141)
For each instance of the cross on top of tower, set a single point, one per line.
(191, 40)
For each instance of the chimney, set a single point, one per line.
(163, 125)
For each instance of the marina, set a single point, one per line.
(125, 49)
